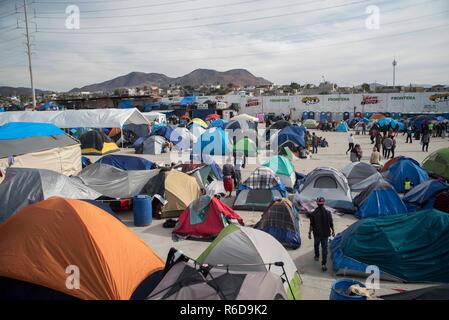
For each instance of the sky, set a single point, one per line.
(343, 41)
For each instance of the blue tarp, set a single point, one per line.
(219, 123)
(405, 168)
(162, 130)
(126, 162)
(21, 130)
(125, 104)
(187, 100)
(213, 141)
(342, 127)
(294, 134)
(423, 195)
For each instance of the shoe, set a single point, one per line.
(317, 258)
(323, 268)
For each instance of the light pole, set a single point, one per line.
(395, 63)
(33, 92)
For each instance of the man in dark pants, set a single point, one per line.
(322, 226)
(314, 143)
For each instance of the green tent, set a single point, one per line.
(246, 249)
(310, 124)
(412, 247)
(437, 164)
(246, 146)
(280, 165)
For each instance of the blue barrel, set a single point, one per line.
(339, 288)
(143, 212)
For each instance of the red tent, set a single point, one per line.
(205, 218)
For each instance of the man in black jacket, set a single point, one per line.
(322, 226)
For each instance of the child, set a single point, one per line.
(408, 185)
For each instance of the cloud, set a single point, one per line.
(282, 41)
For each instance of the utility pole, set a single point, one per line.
(33, 92)
(395, 63)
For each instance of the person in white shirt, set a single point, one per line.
(351, 142)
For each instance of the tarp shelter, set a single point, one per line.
(205, 218)
(214, 141)
(86, 118)
(113, 182)
(51, 235)
(356, 172)
(246, 146)
(282, 222)
(423, 195)
(310, 124)
(152, 145)
(126, 162)
(275, 127)
(178, 188)
(248, 249)
(440, 292)
(96, 142)
(219, 123)
(328, 183)
(186, 280)
(342, 127)
(410, 247)
(185, 101)
(24, 186)
(259, 190)
(284, 169)
(40, 146)
(377, 116)
(437, 164)
(379, 199)
(402, 169)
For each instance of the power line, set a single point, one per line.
(161, 12)
(127, 8)
(316, 38)
(194, 19)
(213, 24)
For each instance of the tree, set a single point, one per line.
(365, 87)
(116, 92)
(230, 85)
(295, 86)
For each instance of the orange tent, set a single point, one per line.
(377, 116)
(41, 241)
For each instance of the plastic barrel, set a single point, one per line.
(142, 210)
(339, 288)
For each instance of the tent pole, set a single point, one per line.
(121, 133)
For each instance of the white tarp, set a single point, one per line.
(155, 116)
(96, 118)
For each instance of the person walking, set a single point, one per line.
(322, 227)
(363, 128)
(356, 154)
(387, 144)
(425, 140)
(351, 142)
(378, 140)
(393, 146)
(409, 134)
(314, 143)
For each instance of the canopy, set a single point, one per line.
(407, 247)
(245, 117)
(86, 118)
(23, 186)
(22, 130)
(377, 116)
(41, 241)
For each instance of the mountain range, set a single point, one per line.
(240, 77)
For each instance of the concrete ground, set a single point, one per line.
(316, 284)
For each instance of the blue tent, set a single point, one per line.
(22, 130)
(162, 130)
(405, 168)
(423, 195)
(219, 123)
(294, 134)
(379, 199)
(342, 127)
(214, 141)
(126, 162)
